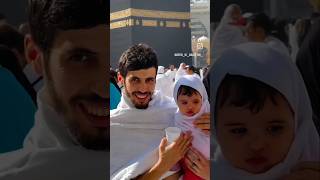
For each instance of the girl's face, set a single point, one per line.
(189, 105)
(255, 142)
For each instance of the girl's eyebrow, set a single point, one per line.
(234, 124)
(279, 121)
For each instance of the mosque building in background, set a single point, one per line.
(162, 24)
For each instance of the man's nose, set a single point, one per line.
(143, 87)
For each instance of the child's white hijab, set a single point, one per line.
(200, 141)
(258, 61)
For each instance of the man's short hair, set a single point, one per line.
(48, 17)
(137, 57)
(261, 20)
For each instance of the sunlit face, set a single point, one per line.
(76, 83)
(139, 86)
(189, 105)
(255, 142)
(171, 67)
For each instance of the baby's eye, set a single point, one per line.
(196, 101)
(239, 131)
(275, 129)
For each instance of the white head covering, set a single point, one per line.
(259, 61)
(192, 81)
(181, 71)
(160, 70)
(200, 140)
(227, 16)
(164, 82)
(226, 35)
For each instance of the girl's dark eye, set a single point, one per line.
(238, 131)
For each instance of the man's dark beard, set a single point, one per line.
(143, 106)
(138, 106)
(98, 142)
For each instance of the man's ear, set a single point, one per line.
(33, 54)
(120, 78)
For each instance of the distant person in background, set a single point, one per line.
(163, 83)
(171, 72)
(308, 62)
(279, 30)
(316, 9)
(9, 61)
(297, 33)
(302, 26)
(3, 19)
(181, 71)
(259, 28)
(229, 32)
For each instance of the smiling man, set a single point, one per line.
(70, 137)
(138, 123)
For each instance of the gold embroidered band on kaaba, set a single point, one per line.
(149, 18)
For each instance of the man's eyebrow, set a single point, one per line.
(134, 77)
(81, 51)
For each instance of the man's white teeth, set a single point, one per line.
(96, 111)
(142, 96)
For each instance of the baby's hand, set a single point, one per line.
(170, 155)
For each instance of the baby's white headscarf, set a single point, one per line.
(259, 61)
(200, 140)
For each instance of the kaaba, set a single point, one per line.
(162, 24)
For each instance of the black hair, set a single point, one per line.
(186, 90)
(113, 74)
(194, 70)
(261, 20)
(240, 91)
(11, 38)
(137, 57)
(47, 17)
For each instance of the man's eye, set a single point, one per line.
(238, 131)
(135, 80)
(150, 81)
(81, 58)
